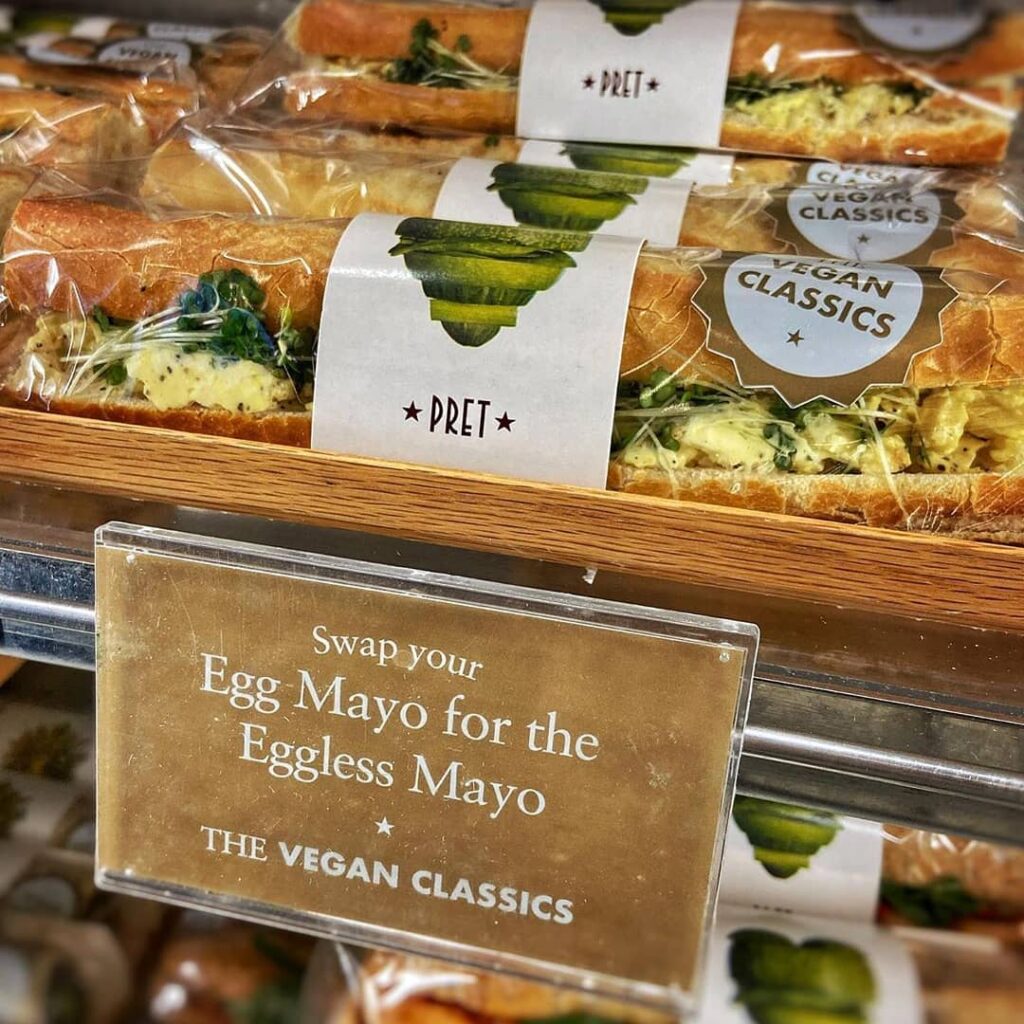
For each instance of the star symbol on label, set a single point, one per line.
(652, 84)
(384, 827)
(412, 411)
(588, 82)
(863, 239)
(795, 337)
(504, 422)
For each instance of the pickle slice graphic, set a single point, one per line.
(819, 981)
(478, 275)
(556, 197)
(631, 17)
(785, 837)
(649, 161)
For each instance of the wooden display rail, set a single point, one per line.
(908, 574)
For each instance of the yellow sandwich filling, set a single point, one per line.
(56, 363)
(960, 429)
(824, 104)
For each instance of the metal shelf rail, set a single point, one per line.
(863, 742)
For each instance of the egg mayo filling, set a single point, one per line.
(810, 105)
(962, 429)
(214, 350)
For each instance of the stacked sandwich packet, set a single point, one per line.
(828, 340)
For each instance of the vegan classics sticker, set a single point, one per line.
(921, 31)
(820, 328)
(867, 223)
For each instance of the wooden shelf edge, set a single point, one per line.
(916, 575)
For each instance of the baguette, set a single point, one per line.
(66, 258)
(200, 174)
(798, 83)
(45, 128)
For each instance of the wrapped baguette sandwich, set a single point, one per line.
(193, 172)
(959, 985)
(208, 323)
(83, 134)
(219, 58)
(798, 81)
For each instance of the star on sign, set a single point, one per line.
(652, 84)
(504, 422)
(795, 337)
(863, 239)
(588, 82)
(384, 827)
(412, 411)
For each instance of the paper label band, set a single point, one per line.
(563, 199)
(474, 347)
(820, 328)
(796, 860)
(691, 165)
(765, 967)
(867, 223)
(605, 71)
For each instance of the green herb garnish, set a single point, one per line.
(936, 905)
(783, 443)
(432, 63)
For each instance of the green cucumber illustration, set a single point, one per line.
(785, 837)
(819, 981)
(650, 161)
(478, 275)
(51, 751)
(631, 17)
(556, 197)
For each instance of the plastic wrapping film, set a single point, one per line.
(799, 81)
(787, 857)
(250, 168)
(101, 289)
(962, 983)
(212, 971)
(90, 94)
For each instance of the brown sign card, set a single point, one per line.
(499, 776)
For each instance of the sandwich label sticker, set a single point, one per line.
(800, 860)
(821, 328)
(473, 346)
(920, 31)
(610, 71)
(780, 968)
(670, 162)
(866, 223)
(564, 199)
(824, 172)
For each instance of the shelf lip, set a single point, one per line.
(777, 555)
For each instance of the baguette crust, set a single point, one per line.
(978, 138)
(132, 266)
(292, 428)
(914, 501)
(371, 30)
(290, 183)
(373, 102)
(963, 132)
(787, 41)
(777, 40)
